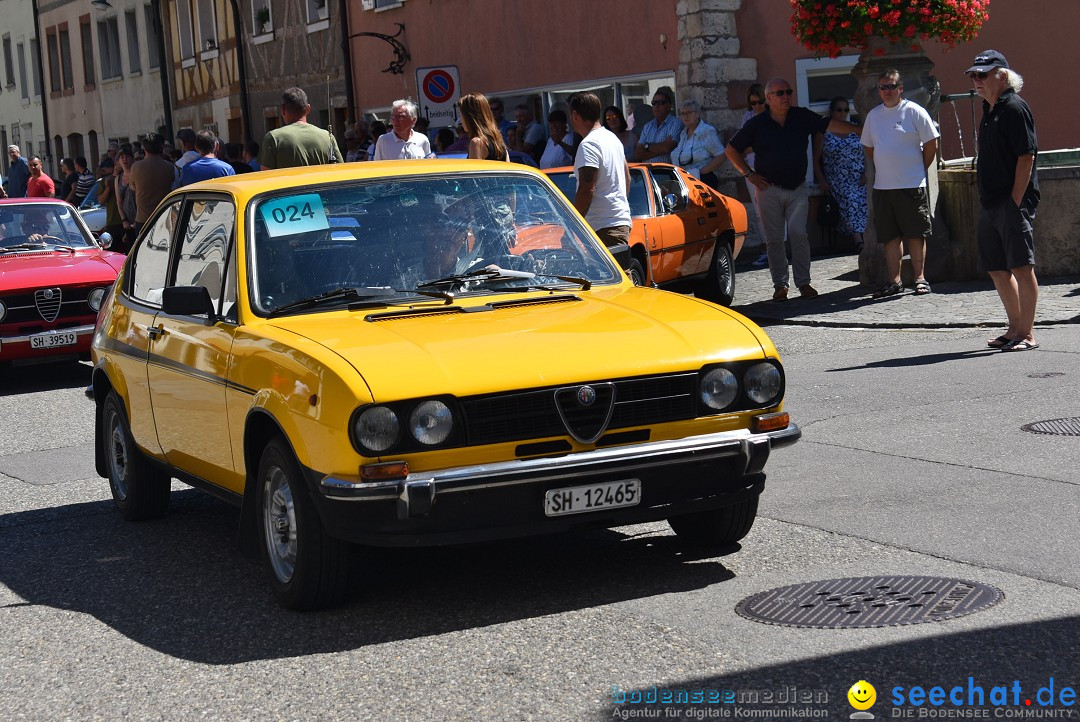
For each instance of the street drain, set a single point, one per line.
(1055, 427)
(868, 602)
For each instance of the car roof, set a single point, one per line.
(43, 201)
(250, 184)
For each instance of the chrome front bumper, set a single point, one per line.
(416, 493)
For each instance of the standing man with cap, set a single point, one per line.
(1009, 195)
(18, 174)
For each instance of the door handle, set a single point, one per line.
(155, 332)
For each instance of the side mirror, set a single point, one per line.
(187, 301)
(105, 240)
(670, 201)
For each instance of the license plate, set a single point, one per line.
(52, 340)
(578, 499)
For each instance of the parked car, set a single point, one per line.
(683, 230)
(92, 211)
(53, 279)
(419, 353)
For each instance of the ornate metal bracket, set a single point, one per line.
(401, 53)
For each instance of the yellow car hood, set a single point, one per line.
(604, 335)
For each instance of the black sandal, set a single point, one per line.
(891, 290)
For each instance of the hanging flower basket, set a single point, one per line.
(826, 28)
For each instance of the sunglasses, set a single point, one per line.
(840, 110)
(778, 93)
(757, 102)
(611, 117)
(888, 86)
(660, 102)
(980, 76)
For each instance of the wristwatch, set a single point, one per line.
(748, 172)
(645, 146)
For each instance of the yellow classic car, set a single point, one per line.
(418, 352)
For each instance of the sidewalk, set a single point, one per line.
(844, 303)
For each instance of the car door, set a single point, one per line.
(687, 242)
(190, 353)
(130, 321)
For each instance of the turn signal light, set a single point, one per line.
(387, 471)
(769, 422)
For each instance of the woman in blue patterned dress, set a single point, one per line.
(840, 169)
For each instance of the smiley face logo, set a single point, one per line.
(862, 695)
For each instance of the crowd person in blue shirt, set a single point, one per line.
(207, 165)
(779, 137)
(661, 134)
(18, 174)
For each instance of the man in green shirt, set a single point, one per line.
(297, 143)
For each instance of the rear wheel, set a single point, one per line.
(719, 285)
(717, 527)
(308, 568)
(139, 490)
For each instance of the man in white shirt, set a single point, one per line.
(403, 142)
(186, 136)
(603, 177)
(901, 141)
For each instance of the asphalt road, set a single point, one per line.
(912, 462)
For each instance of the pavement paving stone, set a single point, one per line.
(843, 302)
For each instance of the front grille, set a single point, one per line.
(48, 301)
(535, 414)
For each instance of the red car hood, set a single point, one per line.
(58, 268)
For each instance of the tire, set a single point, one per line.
(717, 527)
(139, 489)
(719, 285)
(637, 273)
(308, 569)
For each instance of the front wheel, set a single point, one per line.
(139, 490)
(719, 285)
(308, 568)
(637, 273)
(716, 527)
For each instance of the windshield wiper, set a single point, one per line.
(486, 274)
(357, 300)
(25, 247)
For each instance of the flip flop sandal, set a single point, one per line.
(891, 290)
(1021, 345)
(922, 288)
(999, 342)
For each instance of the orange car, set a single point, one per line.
(683, 229)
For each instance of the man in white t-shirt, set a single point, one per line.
(603, 177)
(901, 140)
(403, 143)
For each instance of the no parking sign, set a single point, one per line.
(438, 90)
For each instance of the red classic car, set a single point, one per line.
(53, 279)
(683, 230)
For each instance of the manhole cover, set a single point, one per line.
(868, 602)
(1057, 427)
(1045, 374)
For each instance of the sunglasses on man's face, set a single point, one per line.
(888, 86)
(779, 93)
(979, 76)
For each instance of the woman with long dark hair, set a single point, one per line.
(615, 121)
(485, 140)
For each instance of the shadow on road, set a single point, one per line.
(181, 586)
(43, 377)
(1030, 654)
(921, 360)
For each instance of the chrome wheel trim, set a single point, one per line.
(117, 454)
(279, 523)
(725, 274)
(638, 279)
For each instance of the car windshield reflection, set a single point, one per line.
(403, 236)
(41, 225)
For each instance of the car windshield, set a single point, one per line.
(40, 225)
(390, 240)
(638, 196)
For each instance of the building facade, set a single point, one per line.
(22, 120)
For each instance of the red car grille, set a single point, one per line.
(48, 302)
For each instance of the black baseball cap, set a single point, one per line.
(986, 61)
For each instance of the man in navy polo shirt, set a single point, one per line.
(779, 137)
(207, 165)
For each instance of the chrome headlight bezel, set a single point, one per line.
(431, 422)
(95, 297)
(441, 412)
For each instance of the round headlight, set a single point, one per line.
(3, 310)
(377, 428)
(94, 299)
(719, 388)
(431, 422)
(762, 383)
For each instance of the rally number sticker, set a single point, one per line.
(294, 214)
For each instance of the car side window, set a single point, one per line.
(639, 194)
(150, 268)
(205, 247)
(669, 182)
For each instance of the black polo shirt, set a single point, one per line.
(780, 150)
(1007, 131)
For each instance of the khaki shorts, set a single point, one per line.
(901, 213)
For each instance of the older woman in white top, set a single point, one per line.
(699, 151)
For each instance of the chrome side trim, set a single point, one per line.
(617, 459)
(79, 331)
